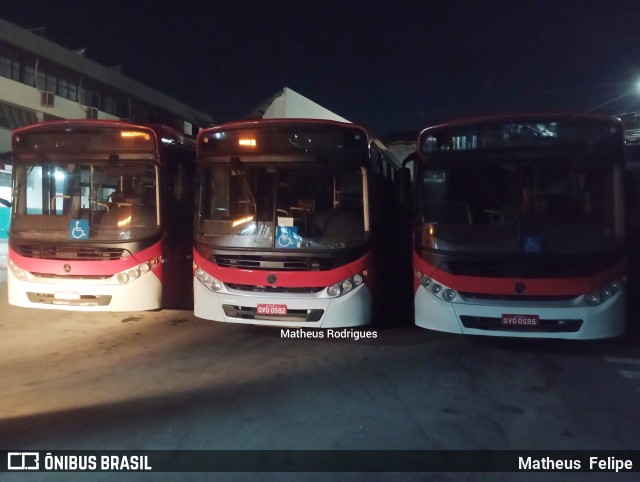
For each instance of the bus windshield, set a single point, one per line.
(301, 206)
(109, 200)
(535, 187)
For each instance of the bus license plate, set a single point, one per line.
(269, 309)
(66, 295)
(521, 320)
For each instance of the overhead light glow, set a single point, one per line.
(240, 221)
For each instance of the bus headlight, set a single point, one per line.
(333, 291)
(448, 295)
(603, 294)
(134, 273)
(441, 291)
(19, 273)
(207, 280)
(347, 285)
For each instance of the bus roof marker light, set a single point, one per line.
(247, 142)
(134, 134)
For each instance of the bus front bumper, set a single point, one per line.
(144, 293)
(570, 319)
(303, 310)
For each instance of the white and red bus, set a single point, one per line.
(102, 217)
(519, 227)
(289, 215)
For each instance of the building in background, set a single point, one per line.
(41, 80)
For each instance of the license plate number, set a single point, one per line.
(521, 320)
(268, 309)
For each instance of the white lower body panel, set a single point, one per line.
(351, 309)
(143, 293)
(592, 322)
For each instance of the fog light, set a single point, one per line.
(122, 278)
(333, 291)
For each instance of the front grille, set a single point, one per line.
(544, 326)
(275, 263)
(249, 313)
(530, 267)
(492, 297)
(70, 253)
(274, 289)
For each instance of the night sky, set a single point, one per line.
(391, 65)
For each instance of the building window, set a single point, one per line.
(29, 75)
(41, 79)
(12, 117)
(5, 66)
(51, 83)
(63, 88)
(73, 91)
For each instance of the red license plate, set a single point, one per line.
(269, 309)
(521, 320)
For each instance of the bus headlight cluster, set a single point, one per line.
(134, 273)
(438, 289)
(206, 279)
(345, 286)
(603, 294)
(19, 273)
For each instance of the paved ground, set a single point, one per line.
(168, 380)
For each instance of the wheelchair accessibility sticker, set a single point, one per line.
(287, 237)
(532, 244)
(79, 229)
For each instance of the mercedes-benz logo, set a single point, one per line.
(271, 278)
(520, 288)
(67, 268)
